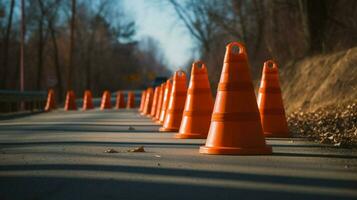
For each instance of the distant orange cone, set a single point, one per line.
(148, 101)
(155, 101)
(131, 100)
(145, 101)
(120, 101)
(51, 101)
(176, 104)
(159, 103)
(70, 103)
(235, 125)
(165, 102)
(270, 102)
(199, 105)
(87, 100)
(106, 104)
(142, 101)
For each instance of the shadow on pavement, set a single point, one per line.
(304, 146)
(89, 188)
(325, 182)
(41, 187)
(323, 155)
(18, 115)
(82, 128)
(100, 143)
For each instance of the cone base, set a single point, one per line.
(265, 150)
(71, 109)
(150, 116)
(158, 122)
(162, 129)
(190, 136)
(276, 135)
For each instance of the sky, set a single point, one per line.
(156, 19)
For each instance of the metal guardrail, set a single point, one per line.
(13, 101)
(137, 94)
(97, 100)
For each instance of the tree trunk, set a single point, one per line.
(304, 22)
(40, 47)
(6, 46)
(71, 48)
(317, 17)
(89, 61)
(22, 49)
(56, 61)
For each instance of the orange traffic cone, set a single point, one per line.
(131, 100)
(270, 102)
(142, 101)
(51, 101)
(148, 101)
(199, 105)
(87, 100)
(70, 103)
(155, 101)
(235, 125)
(165, 101)
(120, 101)
(176, 104)
(159, 103)
(106, 104)
(145, 101)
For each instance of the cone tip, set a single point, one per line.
(235, 51)
(179, 75)
(270, 66)
(168, 83)
(198, 67)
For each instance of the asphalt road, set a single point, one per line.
(60, 155)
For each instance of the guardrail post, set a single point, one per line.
(14, 101)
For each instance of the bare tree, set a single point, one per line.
(194, 15)
(72, 46)
(6, 44)
(22, 47)
(50, 22)
(40, 44)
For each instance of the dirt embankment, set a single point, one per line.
(320, 97)
(320, 81)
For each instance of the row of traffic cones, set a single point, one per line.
(235, 123)
(70, 103)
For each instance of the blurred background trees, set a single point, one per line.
(103, 55)
(285, 30)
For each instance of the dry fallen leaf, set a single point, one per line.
(139, 149)
(335, 124)
(110, 151)
(337, 144)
